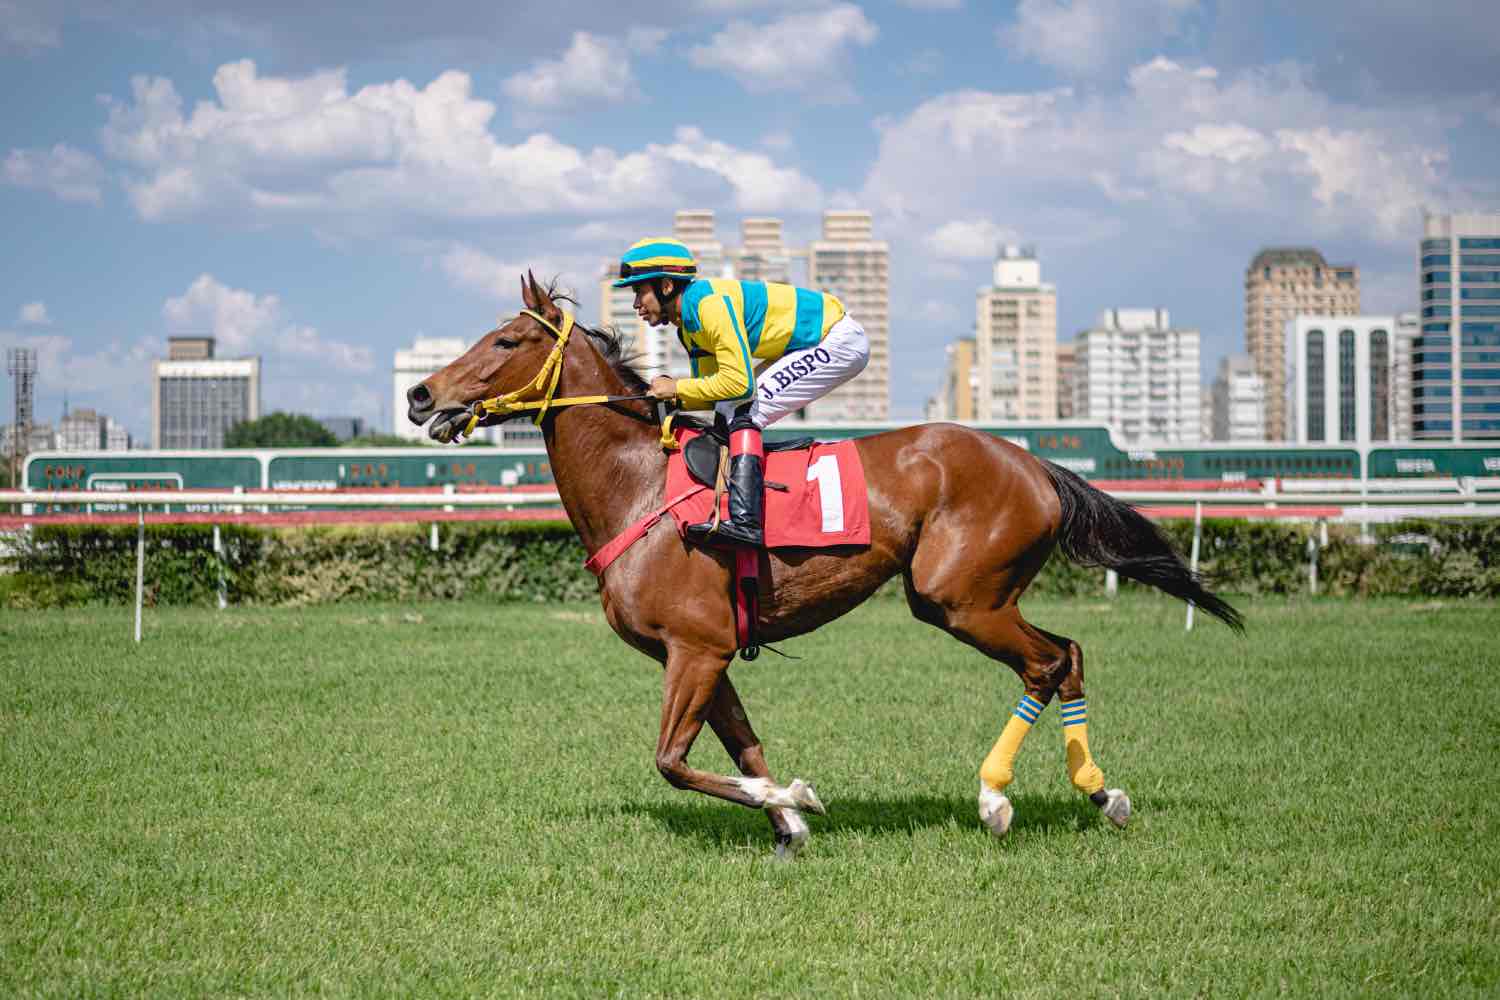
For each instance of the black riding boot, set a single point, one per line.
(747, 506)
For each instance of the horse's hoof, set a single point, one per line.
(995, 810)
(803, 797)
(1116, 807)
(790, 843)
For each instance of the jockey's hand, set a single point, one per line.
(663, 387)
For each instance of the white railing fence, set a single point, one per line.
(1348, 501)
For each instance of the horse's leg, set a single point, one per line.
(729, 721)
(692, 680)
(1082, 771)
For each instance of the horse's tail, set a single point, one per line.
(1098, 530)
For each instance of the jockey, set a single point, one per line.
(804, 341)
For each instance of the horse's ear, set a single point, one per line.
(526, 298)
(543, 301)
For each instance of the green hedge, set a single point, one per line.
(54, 566)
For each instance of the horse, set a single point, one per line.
(966, 518)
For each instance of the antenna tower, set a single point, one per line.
(20, 364)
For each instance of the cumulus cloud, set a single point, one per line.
(1184, 143)
(307, 149)
(245, 323)
(969, 239)
(483, 273)
(804, 51)
(35, 314)
(594, 69)
(70, 174)
(1092, 37)
(759, 184)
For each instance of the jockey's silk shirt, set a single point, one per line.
(727, 325)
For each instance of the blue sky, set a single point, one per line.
(319, 184)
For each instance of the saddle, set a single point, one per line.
(706, 453)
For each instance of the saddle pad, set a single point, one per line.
(826, 502)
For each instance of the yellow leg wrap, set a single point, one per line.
(1082, 770)
(996, 770)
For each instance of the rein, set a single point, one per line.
(546, 383)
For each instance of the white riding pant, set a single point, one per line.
(798, 377)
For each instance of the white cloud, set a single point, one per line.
(245, 323)
(35, 314)
(68, 173)
(1229, 142)
(593, 69)
(1092, 37)
(969, 239)
(804, 51)
(1186, 146)
(306, 149)
(759, 184)
(499, 280)
(778, 140)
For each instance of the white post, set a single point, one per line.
(140, 565)
(1193, 564)
(219, 557)
(1111, 583)
(1312, 564)
(448, 490)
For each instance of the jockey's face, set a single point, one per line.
(648, 305)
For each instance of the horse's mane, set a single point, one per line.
(609, 342)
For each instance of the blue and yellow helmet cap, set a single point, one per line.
(656, 257)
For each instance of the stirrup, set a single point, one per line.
(726, 533)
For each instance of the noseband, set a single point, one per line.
(546, 384)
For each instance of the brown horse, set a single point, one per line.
(966, 518)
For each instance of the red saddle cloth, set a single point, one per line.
(826, 502)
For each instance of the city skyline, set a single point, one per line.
(320, 197)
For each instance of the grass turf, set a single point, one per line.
(460, 800)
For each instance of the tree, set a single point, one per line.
(373, 440)
(280, 430)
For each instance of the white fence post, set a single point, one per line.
(1312, 563)
(1197, 539)
(140, 566)
(219, 558)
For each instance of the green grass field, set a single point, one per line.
(462, 800)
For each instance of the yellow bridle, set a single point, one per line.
(546, 384)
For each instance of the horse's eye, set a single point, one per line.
(506, 343)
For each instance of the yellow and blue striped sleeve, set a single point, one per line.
(720, 330)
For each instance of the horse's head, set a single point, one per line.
(504, 360)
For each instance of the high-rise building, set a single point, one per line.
(1408, 329)
(196, 398)
(81, 430)
(958, 394)
(1238, 401)
(116, 436)
(1139, 374)
(1016, 337)
(763, 255)
(1067, 379)
(695, 227)
(1283, 282)
(1456, 358)
(851, 264)
(426, 356)
(1340, 372)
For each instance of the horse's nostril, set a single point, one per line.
(419, 395)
